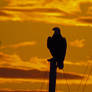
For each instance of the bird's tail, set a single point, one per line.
(60, 64)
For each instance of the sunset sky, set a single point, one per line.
(24, 28)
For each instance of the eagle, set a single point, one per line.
(57, 46)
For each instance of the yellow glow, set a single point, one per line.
(25, 25)
(67, 12)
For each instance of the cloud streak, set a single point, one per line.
(41, 64)
(86, 20)
(11, 66)
(34, 74)
(23, 44)
(67, 12)
(78, 43)
(14, 61)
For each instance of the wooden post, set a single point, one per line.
(52, 76)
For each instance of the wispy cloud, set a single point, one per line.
(35, 68)
(18, 45)
(78, 43)
(14, 61)
(21, 90)
(67, 12)
(85, 20)
(75, 63)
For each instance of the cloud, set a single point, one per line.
(66, 12)
(20, 90)
(75, 63)
(40, 10)
(78, 43)
(85, 20)
(39, 14)
(11, 66)
(41, 64)
(34, 74)
(37, 65)
(14, 61)
(85, 8)
(2, 13)
(5, 89)
(23, 44)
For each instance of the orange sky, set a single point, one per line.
(68, 12)
(24, 28)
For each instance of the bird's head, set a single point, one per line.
(56, 30)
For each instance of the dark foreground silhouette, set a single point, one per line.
(57, 46)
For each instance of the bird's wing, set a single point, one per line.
(49, 42)
(63, 48)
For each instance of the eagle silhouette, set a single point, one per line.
(57, 46)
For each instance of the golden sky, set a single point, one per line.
(24, 28)
(69, 12)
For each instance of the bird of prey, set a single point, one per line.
(57, 46)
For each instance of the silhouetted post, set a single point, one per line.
(52, 76)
